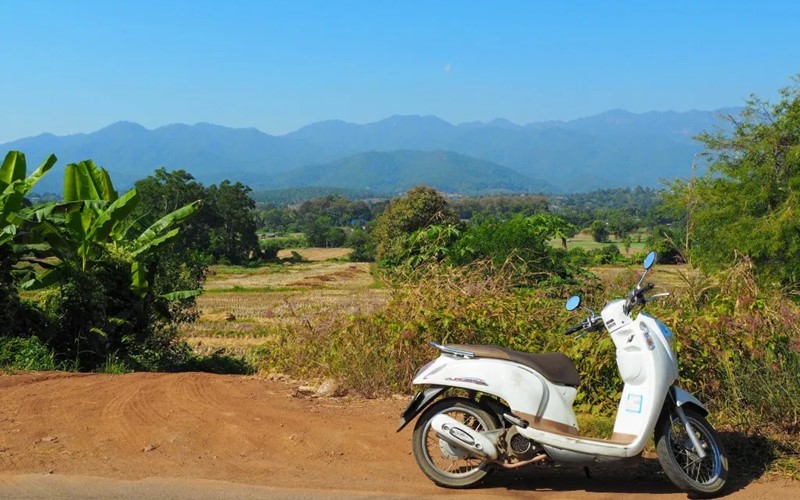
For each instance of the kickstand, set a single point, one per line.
(587, 472)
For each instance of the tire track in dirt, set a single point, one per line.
(132, 408)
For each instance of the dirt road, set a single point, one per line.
(193, 435)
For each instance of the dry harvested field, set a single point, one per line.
(242, 306)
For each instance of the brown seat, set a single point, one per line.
(554, 366)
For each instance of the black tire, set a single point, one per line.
(433, 455)
(703, 478)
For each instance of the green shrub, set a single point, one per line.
(18, 353)
(379, 353)
(362, 245)
(739, 349)
(295, 240)
(607, 254)
(94, 315)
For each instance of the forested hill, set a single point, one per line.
(397, 171)
(612, 149)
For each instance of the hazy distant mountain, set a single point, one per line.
(210, 152)
(398, 171)
(613, 149)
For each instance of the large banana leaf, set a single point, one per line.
(86, 181)
(154, 235)
(13, 169)
(139, 283)
(40, 171)
(181, 294)
(61, 246)
(114, 214)
(14, 186)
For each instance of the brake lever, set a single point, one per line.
(657, 295)
(592, 323)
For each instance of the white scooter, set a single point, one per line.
(518, 409)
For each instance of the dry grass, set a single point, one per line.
(348, 275)
(672, 278)
(316, 254)
(242, 306)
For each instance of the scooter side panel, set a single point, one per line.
(525, 390)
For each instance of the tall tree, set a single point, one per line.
(421, 207)
(224, 228)
(163, 192)
(748, 204)
(233, 235)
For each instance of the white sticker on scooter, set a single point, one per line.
(634, 403)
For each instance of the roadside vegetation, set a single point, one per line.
(102, 281)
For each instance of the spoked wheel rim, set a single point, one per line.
(702, 472)
(449, 460)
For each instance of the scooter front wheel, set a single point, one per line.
(703, 477)
(445, 464)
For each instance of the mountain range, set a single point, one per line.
(613, 149)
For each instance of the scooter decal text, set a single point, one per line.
(634, 403)
(468, 380)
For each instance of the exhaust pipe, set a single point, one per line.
(461, 436)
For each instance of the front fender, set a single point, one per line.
(686, 399)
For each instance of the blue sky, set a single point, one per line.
(76, 66)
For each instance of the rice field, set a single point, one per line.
(242, 306)
(585, 241)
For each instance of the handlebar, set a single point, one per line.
(589, 324)
(574, 329)
(646, 288)
(637, 297)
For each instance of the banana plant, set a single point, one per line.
(93, 222)
(14, 186)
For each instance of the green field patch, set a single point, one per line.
(260, 289)
(246, 270)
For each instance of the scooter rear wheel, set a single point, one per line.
(445, 464)
(703, 477)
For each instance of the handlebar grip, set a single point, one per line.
(574, 329)
(646, 288)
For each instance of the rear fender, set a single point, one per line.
(418, 403)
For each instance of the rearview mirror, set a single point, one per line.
(650, 260)
(573, 303)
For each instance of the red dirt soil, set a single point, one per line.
(251, 431)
